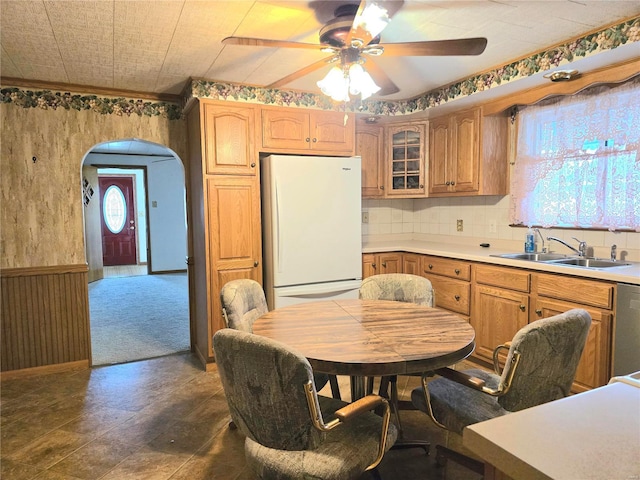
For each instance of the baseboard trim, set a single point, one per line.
(44, 370)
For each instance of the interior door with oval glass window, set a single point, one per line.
(118, 220)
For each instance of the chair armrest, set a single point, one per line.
(462, 378)
(496, 359)
(348, 412)
(358, 407)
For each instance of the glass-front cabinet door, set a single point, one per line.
(406, 156)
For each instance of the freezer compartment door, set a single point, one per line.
(285, 296)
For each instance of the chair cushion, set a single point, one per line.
(456, 406)
(343, 454)
(399, 287)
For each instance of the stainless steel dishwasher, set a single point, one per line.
(626, 348)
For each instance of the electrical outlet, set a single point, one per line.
(365, 217)
(493, 228)
(459, 226)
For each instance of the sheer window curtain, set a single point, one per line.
(577, 162)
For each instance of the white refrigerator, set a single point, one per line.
(311, 208)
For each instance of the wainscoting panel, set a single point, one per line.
(45, 316)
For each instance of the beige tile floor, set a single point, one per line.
(158, 419)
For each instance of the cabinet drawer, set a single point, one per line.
(503, 277)
(451, 294)
(577, 290)
(447, 267)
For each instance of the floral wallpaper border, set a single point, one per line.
(606, 39)
(46, 99)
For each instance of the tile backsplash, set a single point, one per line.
(484, 219)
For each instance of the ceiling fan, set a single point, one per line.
(353, 37)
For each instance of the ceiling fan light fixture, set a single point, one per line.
(373, 19)
(335, 85)
(352, 79)
(360, 82)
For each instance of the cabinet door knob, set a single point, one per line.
(256, 263)
(384, 264)
(457, 297)
(430, 267)
(447, 182)
(523, 308)
(457, 270)
(253, 165)
(315, 140)
(307, 139)
(382, 187)
(453, 183)
(539, 312)
(373, 265)
(421, 186)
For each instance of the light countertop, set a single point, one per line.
(623, 274)
(591, 435)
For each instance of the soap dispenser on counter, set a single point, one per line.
(530, 241)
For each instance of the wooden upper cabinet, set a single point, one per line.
(228, 139)
(468, 154)
(465, 151)
(301, 131)
(370, 147)
(405, 168)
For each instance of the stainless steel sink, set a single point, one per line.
(589, 263)
(533, 257)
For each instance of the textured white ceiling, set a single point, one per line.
(156, 46)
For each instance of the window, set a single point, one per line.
(577, 162)
(114, 208)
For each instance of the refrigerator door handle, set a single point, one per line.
(276, 233)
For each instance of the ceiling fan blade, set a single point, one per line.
(387, 87)
(261, 42)
(371, 18)
(302, 72)
(463, 46)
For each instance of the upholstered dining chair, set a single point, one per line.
(243, 302)
(399, 287)
(540, 366)
(292, 432)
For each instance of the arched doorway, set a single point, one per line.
(139, 304)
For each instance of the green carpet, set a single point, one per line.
(134, 318)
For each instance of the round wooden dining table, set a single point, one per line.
(362, 338)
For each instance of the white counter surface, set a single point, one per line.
(624, 274)
(590, 436)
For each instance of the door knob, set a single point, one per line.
(430, 267)
(384, 264)
(457, 297)
(523, 308)
(539, 312)
(457, 270)
(253, 164)
(256, 263)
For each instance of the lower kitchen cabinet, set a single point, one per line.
(593, 369)
(450, 281)
(376, 263)
(411, 263)
(559, 293)
(500, 306)
(497, 315)
(498, 301)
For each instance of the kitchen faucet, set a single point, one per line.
(544, 249)
(582, 246)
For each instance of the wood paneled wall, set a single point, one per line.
(45, 316)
